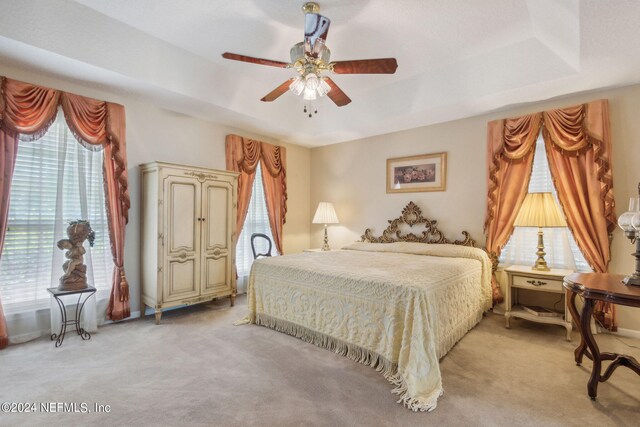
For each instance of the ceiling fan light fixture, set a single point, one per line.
(323, 87)
(312, 81)
(310, 86)
(309, 94)
(297, 86)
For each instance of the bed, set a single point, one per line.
(398, 302)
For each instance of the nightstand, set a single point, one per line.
(523, 277)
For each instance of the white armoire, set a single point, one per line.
(188, 225)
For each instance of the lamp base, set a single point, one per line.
(325, 246)
(541, 264)
(537, 267)
(633, 280)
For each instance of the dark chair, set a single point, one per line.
(253, 246)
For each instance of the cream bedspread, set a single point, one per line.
(398, 307)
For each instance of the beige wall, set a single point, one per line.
(157, 134)
(297, 229)
(352, 176)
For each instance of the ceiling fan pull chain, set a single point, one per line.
(309, 109)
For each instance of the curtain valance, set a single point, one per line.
(27, 111)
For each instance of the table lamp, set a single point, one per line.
(630, 224)
(325, 214)
(540, 210)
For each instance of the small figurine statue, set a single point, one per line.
(75, 272)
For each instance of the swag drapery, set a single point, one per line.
(243, 155)
(26, 112)
(578, 146)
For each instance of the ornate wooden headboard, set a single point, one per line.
(412, 215)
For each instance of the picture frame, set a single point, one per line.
(415, 174)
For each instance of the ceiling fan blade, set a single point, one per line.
(260, 61)
(366, 66)
(336, 94)
(316, 29)
(277, 92)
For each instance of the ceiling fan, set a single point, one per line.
(311, 58)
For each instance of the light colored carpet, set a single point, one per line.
(198, 369)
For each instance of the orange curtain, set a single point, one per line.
(274, 177)
(510, 152)
(578, 146)
(8, 152)
(243, 155)
(27, 111)
(116, 181)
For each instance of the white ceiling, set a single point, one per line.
(456, 58)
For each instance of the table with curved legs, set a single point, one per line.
(57, 294)
(594, 287)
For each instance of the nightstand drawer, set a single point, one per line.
(538, 284)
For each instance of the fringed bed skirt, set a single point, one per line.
(358, 354)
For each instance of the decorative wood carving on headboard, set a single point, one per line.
(412, 215)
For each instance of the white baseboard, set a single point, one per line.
(134, 315)
(499, 310)
(26, 337)
(629, 333)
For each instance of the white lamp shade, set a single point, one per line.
(325, 214)
(540, 210)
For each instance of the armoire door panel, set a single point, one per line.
(182, 209)
(217, 195)
(182, 279)
(215, 275)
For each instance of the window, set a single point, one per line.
(257, 221)
(56, 180)
(560, 246)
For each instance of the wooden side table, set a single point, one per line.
(595, 287)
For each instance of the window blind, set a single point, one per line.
(56, 180)
(562, 249)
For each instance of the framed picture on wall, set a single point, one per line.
(426, 172)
